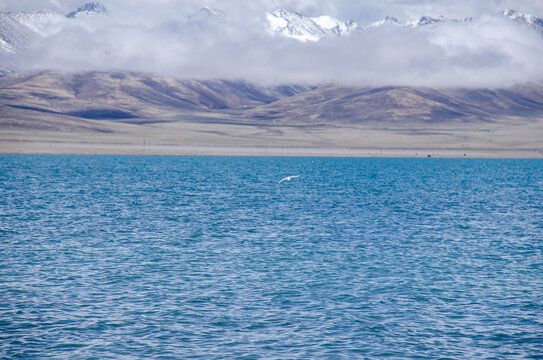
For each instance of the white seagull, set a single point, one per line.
(289, 177)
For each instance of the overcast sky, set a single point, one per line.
(157, 36)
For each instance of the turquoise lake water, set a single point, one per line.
(126, 257)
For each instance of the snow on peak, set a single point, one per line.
(423, 21)
(387, 20)
(43, 22)
(432, 21)
(532, 20)
(6, 47)
(18, 30)
(297, 26)
(428, 20)
(88, 8)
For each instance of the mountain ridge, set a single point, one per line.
(402, 104)
(86, 9)
(17, 30)
(134, 95)
(297, 26)
(141, 95)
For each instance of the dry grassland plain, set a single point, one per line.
(522, 140)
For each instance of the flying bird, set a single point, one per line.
(289, 177)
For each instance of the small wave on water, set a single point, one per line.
(129, 257)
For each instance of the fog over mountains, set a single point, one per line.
(279, 42)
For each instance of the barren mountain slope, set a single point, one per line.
(122, 96)
(404, 105)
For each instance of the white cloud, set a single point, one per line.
(157, 36)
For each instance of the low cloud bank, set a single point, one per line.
(172, 38)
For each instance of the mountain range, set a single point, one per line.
(303, 28)
(531, 20)
(125, 96)
(128, 96)
(18, 30)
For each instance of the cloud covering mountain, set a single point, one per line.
(234, 40)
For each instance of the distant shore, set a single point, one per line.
(92, 148)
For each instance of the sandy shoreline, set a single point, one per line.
(93, 148)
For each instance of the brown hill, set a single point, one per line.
(131, 96)
(127, 97)
(403, 105)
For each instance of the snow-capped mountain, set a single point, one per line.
(14, 36)
(88, 8)
(533, 21)
(387, 20)
(43, 22)
(19, 30)
(303, 28)
(297, 26)
(432, 21)
(423, 21)
(428, 21)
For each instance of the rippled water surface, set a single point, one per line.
(211, 258)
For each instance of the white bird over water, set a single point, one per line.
(289, 177)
